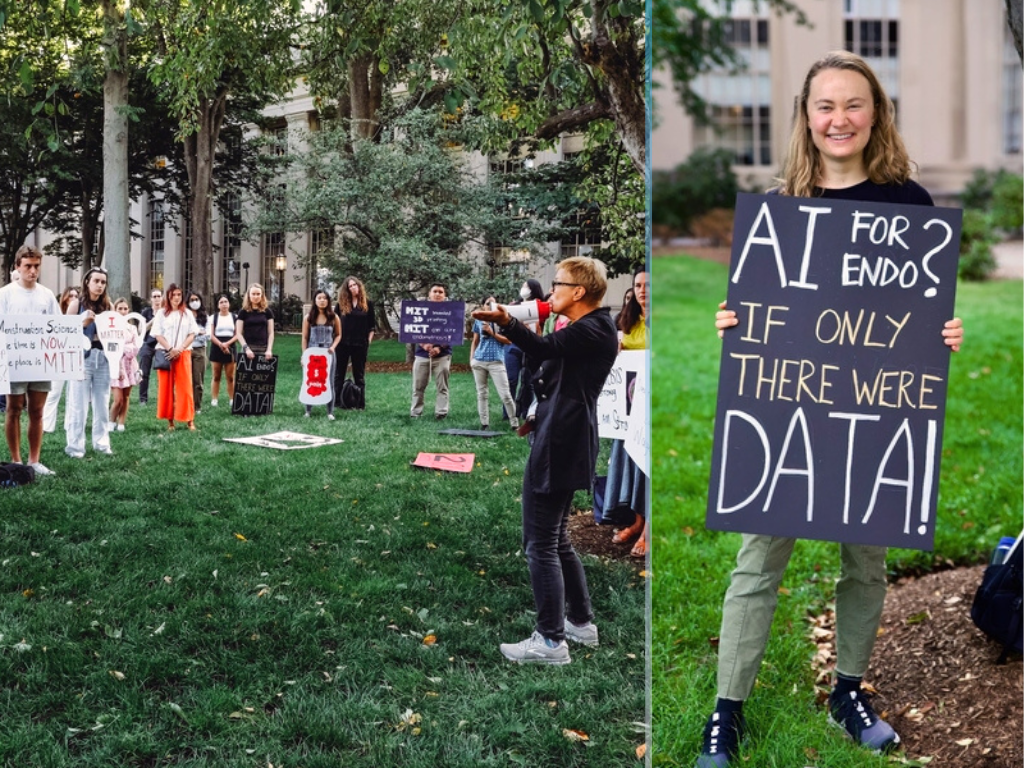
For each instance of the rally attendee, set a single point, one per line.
(195, 304)
(254, 327)
(57, 387)
(845, 146)
(27, 297)
(128, 373)
(357, 326)
(516, 365)
(571, 368)
(94, 390)
(321, 329)
(487, 361)
(627, 485)
(223, 348)
(156, 302)
(174, 328)
(432, 360)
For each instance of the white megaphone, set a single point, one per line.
(532, 311)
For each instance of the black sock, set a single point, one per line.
(845, 684)
(729, 705)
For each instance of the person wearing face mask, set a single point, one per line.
(94, 389)
(195, 303)
(156, 303)
(516, 366)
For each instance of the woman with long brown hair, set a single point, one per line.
(94, 389)
(357, 326)
(174, 328)
(222, 347)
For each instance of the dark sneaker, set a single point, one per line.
(854, 715)
(722, 735)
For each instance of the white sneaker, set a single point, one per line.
(74, 454)
(305, 415)
(105, 451)
(535, 650)
(120, 427)
(214, 402)
(584, 634)
(330, 417)
(42, 470)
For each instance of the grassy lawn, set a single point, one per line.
(980, 499)
(190, 601)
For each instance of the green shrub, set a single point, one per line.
(1008, 202)
(977, 236)
(704, 182)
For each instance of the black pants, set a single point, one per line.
(145, 365)
(556, 573)
(343, 355)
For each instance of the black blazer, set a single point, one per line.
(571, 367)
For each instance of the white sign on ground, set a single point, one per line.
(285, 441)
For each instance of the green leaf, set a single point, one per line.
(53, 144)
(613, 11)
(26, 74)
(74, 7)
(384, 66)
(445, 62)
(537, 11)
(588, 11)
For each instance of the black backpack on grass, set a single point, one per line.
(998, 608)
(16, 475)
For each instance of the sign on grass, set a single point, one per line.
(446, 462)
(832, 388)
(255, 381)
(43, 347)
(432, 322)
(285, 441)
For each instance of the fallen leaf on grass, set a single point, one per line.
(430, 639)
(240, 537)
(22, 647)
(115, 674)
(28, 593)
(918, 618)
(574, 735)
(641, 751)
(965, 742)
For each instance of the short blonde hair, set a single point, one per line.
(590, 273)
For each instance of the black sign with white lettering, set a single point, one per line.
(832, 388)
(255, 381)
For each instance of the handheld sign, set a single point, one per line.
(317, 377)
(255, 381)
(114, 331)
(832, 388)
(432, 322)
(615, 403)
(43, 347)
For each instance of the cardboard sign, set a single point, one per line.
(832, 388)
(285, 441)
(432, 322)
(255, 381)
(446, 462)
(317, 386)
(114, 331)
(638, 434)
(43, 347)
(615, 403)
(5, 372)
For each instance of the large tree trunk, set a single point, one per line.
(199, 155)
(612, 52)
(1015, 18)
(365, 95)
(117, 238)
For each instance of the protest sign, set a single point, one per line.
(255, 381)
(638, 434)
(43, 347)
(432, 322)
(114, 331)
(317, 386)
(615, 402)
(832, 388)
(461, 463)
(285, 441)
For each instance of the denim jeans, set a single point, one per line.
(92, 391)
(556, 573)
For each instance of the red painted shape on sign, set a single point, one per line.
(446, 462)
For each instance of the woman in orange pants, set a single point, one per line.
(174, 328)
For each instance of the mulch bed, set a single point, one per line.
(937, 680)
(589, 538)
(407, 368)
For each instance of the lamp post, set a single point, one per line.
(281, 263)
(245, 286)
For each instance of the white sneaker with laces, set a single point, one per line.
(535, 650)
(584, 634)
(330, 417)
(214, 402)
(42, 470)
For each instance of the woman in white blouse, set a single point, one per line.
(174, 328)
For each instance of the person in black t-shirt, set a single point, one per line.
(255, 324)
(357, 327)
(844, 145)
